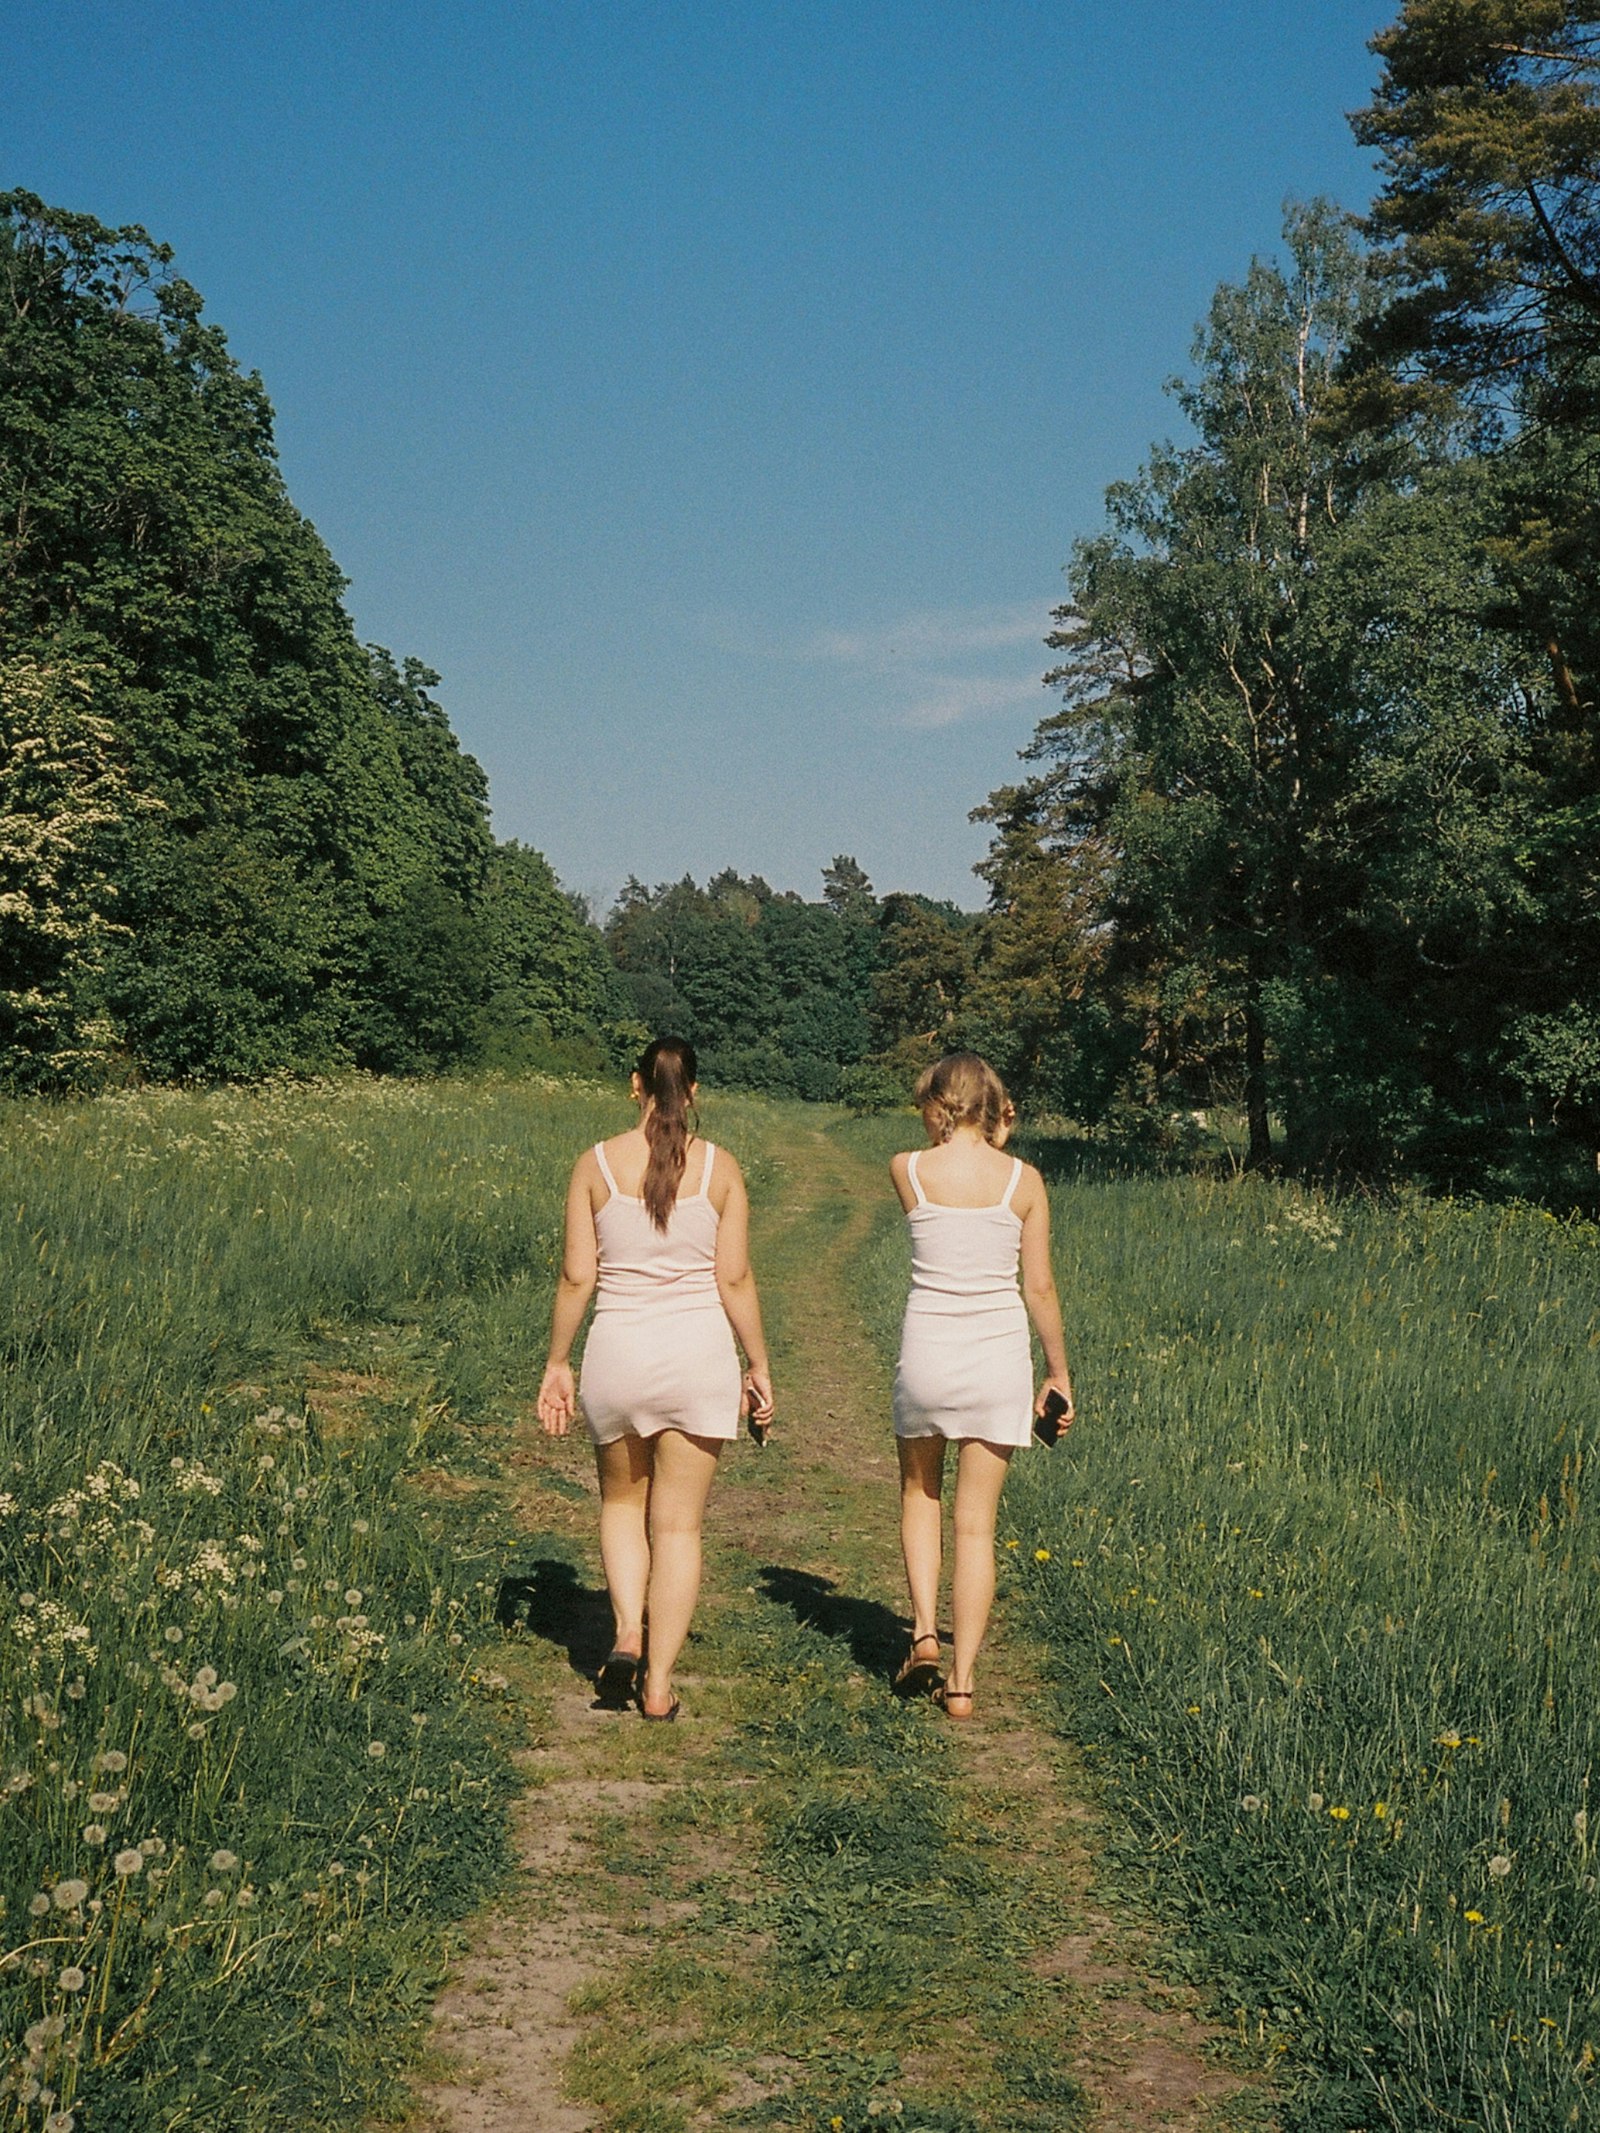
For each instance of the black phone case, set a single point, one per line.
(1047, 1427)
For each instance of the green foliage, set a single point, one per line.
(64, 799)
(1303, 838)
(1487, 120)
(296, 847)
(775, 993)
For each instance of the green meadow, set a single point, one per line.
(1317, 1571)
(1313, 1578)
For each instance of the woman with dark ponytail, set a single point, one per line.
(661, 1389)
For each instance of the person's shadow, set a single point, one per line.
(875, 1634)
(552, 1602)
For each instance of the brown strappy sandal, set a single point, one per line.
(944, 1696)
(919, 1677)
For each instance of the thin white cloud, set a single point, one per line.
(966, 696)
(932, 638)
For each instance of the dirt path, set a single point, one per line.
(804, 1906)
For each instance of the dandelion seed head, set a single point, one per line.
(38, 1905)
(172, 1633)
(94, 1833)
(360, 1525)
(153, 1847)
(353, 1596)
(1314, 1802)
(67, 1895)
(377, 1750)
(211, 1899)
(111, 1759)
(1499, 1866)
(1250, 1803)
(128, 1863)
(71, 1979)
(197, 1731)
(105, 1803)
(224, 1862)
(245, 1899)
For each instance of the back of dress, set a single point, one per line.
(660, 1352)
(966, 1367)
(643, 1267)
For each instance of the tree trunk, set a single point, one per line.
(1258, 1154)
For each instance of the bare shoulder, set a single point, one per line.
(1031, 1194)
(726, 1175)
(900, 1164)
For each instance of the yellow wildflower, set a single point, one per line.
(1041, 1555)
(1474, 1918)
(1339, 1814)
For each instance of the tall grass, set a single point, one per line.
(242, 1774)
(1319, 1570)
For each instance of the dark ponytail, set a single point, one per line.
(667, 1071)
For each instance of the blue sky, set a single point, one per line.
(711, 392)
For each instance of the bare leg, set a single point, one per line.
(921, 1537)
(684, 1469)
(980, 1477)
(624, 1537)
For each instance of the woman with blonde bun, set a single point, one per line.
(661, 1389)
(966, 1370)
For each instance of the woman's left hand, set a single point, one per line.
(758, 1395)
(1063, 1386)
(558, 1399)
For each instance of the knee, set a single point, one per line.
(974, 1529)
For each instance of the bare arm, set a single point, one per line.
(558, 1395)
(736, 1285)
(900, 1176)
(1039, 1291)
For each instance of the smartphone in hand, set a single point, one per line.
(1048, 1425)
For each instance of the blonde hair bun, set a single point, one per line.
(964, 1090)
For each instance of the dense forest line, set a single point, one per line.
(1312, 833)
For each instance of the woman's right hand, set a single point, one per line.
(558, 1399)
(758, 1394)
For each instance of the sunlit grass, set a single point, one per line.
(245, 1776)
(1318, 1572)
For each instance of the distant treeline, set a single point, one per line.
(1314, 834)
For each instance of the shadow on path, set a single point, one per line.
(875, 1634)
(552, 1602)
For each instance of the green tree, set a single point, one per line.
(1487, 119)
(65, 803)
(145, 534)
(554, 996)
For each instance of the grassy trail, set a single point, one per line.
(805, 1906)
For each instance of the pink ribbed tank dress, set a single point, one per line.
(660, 1351)
(966, 1367)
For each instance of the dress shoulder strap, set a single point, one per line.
(605, 1169)
(1012, 1182)
(912, 1161)
(705, 1175)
